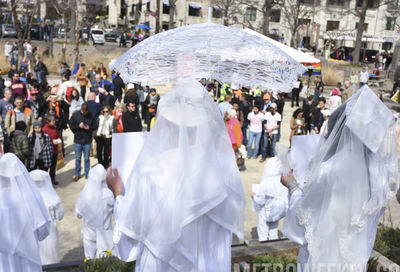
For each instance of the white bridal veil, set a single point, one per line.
(347, 184)
(49, 247)
(90, 203)
(184, 176)
(23, 216)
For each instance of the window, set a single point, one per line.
(370, 3)
(390, 23)
(217, 12)
(332, 25)
(303, 21)
(365, 26)
(275, 15)
(148, 6)
(165, 8)
(387, 46)
(251, 14)
(340, 3)
(307, 2)
(194, 10)
(123, 9)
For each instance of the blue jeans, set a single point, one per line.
(79, 148)
(268, 148)
(244, 132)
(39, 76)
(362, 84)
(253, 137)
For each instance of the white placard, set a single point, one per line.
(301, 152)
(125, 150)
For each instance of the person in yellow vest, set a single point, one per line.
(19, 113)
(223, 92)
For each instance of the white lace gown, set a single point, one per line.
(348, 182)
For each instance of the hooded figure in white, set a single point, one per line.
(184, 197)
(49, 249)
(348, 182)
(270, 200)
(24, 218)
(95, 206)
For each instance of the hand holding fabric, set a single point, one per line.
(114, 182)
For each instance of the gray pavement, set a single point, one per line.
(70, 237)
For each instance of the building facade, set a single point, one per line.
(323, 22)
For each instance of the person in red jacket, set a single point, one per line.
(51, 130)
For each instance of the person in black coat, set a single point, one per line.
(307, 110)
(131, 120)
(107, 99)
(82, 124)
(118, 86)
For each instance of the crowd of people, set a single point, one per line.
(35, 115)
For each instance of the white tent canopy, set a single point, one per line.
(295, 54)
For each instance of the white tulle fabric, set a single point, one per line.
(209, 51)
(184, 197)
(349, 181)
(271, 187)
(23, 216)
(91, 203)
(49, 247)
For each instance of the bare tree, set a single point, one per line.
(22, 35)
(360, 11)
(172, 9)
(78, 28)
(293, 11)
(230, 10)
(158, 14)
(264, 7)
(62, 9)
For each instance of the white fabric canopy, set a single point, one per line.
(23, 216)
(299, 56)
(184, 197)
(208, 51)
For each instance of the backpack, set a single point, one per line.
(68, 93)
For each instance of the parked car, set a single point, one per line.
(61, 32)
(113, 35)
(34, 33)
(97, 35)
(8, 31)
(366, 55)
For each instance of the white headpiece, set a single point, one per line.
(348, 183)
(89, 204)
(51, 199)
(23, 215)
(186, 170)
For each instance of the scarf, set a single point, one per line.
(153, 100)
(37, 147)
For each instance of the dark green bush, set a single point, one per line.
(107, 264)
(388, 243)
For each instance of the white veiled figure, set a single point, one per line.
(24, 218)
(95, 206)
(184, 197)
(348, 183)
(49, 248)
(271, 199)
